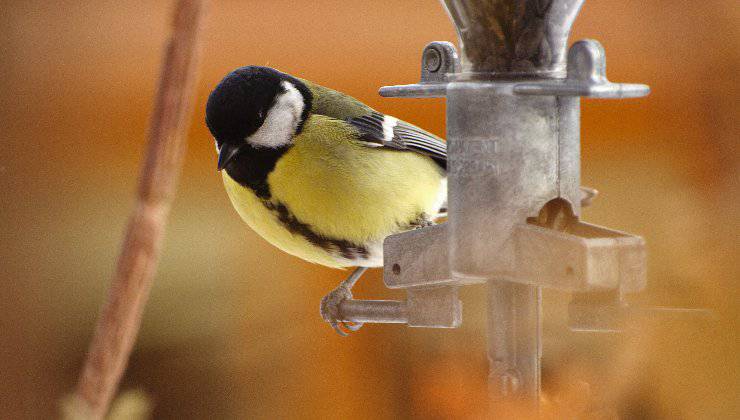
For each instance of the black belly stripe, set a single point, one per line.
(250, 169)
(343, 247)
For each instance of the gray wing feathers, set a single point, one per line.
(378, 130)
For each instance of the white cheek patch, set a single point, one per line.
(282, 119)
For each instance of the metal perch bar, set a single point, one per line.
(429, 307)
(374, 311)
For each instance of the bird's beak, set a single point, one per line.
(226, 153)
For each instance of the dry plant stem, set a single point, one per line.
(120, 319)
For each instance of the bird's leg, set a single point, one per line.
(330, 303)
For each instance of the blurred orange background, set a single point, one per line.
(232, 328)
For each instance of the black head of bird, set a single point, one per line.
(256, 108)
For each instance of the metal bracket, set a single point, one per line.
(438, 60)
(586, 77)
(417, 258)
(584, 258)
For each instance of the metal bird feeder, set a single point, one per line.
(513, 132)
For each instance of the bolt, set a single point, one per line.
(432, 60)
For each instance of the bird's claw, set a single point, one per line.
(330, 311)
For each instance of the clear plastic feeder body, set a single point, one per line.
(513, 37)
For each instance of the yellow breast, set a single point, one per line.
(341, 190)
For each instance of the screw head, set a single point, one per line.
(432, 60)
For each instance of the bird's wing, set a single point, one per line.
(378, 130)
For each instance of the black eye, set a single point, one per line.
(261, 114)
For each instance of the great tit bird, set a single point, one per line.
(321, 175)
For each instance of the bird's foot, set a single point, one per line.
(422, 221)
(330, 310)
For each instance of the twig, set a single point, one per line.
(120, 319)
